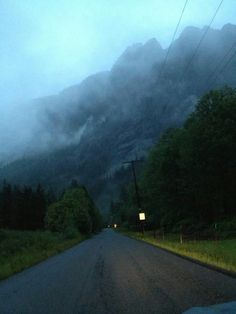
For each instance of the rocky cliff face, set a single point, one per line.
(87, 131)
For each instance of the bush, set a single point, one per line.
(75, 211)
(71, 233)
(84, 222)
(21, 249)
(2, 235)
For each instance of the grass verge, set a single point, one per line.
(221, 253)
(22, 249)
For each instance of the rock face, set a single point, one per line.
(87, 131)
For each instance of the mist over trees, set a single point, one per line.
(88, 130)
(189, 179)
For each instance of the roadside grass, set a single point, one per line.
(220, 253)
(22, 249)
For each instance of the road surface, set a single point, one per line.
(111, 273)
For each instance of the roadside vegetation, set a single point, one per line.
(187, 183)
(219, 253)
(21, 249)
(31, 233)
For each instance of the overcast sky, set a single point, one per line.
(47, 45)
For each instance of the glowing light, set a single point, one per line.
(142, 216)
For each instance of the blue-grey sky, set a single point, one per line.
(47, 45)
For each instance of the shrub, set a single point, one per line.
(75, 211)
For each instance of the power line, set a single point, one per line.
(200, 41)
(173, 38)
(214, 72)
(227, 63)
(223, 68)
(197, 48)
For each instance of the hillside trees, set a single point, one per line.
(74, 211)
(25, 208)
(190, 175)
(22, 208)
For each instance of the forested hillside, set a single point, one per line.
(87, 131)
(189, 178)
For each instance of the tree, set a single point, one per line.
(211, 147)
(189, 178)
(74, 210)
(22, 208)
(6, 206)
(39, 207)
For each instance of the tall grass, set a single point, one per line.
(220, 253)
(21, 249)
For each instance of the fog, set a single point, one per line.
(49, 45)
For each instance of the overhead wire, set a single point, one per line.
(221, 62)
(221, 66)
(173, 38)
(200, 41)
(197, 47)
(228, 62)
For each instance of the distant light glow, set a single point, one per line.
(142, 216)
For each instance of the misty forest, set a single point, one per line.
(153, 132)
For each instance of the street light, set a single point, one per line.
(142, 218)
(141, 214)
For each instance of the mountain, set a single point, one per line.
(88, 130)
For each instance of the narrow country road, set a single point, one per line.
(111, 273)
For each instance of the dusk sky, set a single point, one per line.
(48, 45)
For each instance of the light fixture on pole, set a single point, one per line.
(142, 216)
(142, 219)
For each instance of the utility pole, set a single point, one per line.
(141, 214)
(132, 163)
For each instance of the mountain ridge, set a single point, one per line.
(119, 114)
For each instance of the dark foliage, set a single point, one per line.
(73, 212)
(23, 208)
(189, 180)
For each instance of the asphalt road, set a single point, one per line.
(111, 273)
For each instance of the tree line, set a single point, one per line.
(27, 208)
(189, 177)
(74, 211)
(22, 208)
